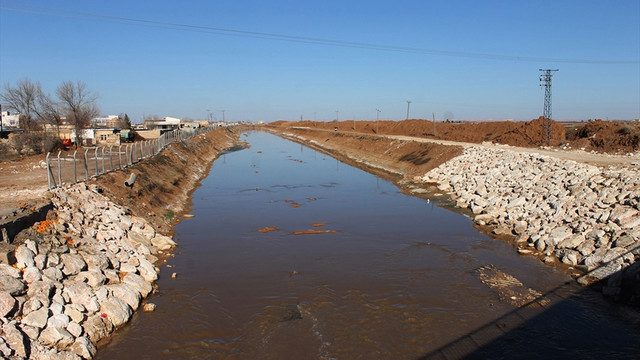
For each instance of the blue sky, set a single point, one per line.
(140, 67)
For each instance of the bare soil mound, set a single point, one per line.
(606, 136)
(527, 134)
(600, 136)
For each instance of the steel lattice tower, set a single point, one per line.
(545, 79)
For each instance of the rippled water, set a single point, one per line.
(394, 276)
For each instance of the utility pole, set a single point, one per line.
(223, 115)
(408, 104)
(208, 115)
(433, 119)
(1, 130)
(377, 121)
(545, 80)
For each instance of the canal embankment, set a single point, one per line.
(576, 216)
(71, 280)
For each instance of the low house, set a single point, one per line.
(189, 124)
(106, 137)
(10, 120)
(164, 125)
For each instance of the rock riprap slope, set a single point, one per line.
(582, 215)
(81, 276)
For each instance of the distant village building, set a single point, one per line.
(10, 120)
(166, 124)
(109, 121)
(188, 124)
(106, 137)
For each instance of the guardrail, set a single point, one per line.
(99, 160)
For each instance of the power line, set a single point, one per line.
(301, 39)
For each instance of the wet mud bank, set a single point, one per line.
(574, 216)
(70, 281)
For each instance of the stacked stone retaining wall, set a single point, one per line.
(78, 278)
(582, 215)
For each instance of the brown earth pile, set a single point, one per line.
(504, 132)
(164, 182)
(600, 136)
(606, 136)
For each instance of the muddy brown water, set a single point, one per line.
(392, 276)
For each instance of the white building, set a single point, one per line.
(9, 120)
(168, 123)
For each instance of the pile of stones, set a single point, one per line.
(82, 277)
(583, 215)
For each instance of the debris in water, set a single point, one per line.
(295, 205)
(510, 289)
(312, 232)
(318, 224)
(268, 229)
(188, 216)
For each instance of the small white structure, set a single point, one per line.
(168, 123)
(9, 120)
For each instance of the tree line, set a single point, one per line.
(73, 103)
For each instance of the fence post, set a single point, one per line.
(102, 160)
(59, 169)
(75, 170)
(95, 157)
(86, 164)
(120, 156)
(110, 158)
(49, 175)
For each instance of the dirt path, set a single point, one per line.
(22, 183)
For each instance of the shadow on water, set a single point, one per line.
(558, 325)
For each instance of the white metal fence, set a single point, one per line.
(95, 161)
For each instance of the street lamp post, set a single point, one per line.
(377, 121)
(408, 104)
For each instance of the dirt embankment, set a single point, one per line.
(394, 159)
(164, 183)
(599, 136)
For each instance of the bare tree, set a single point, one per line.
(24, 99)
(79, 104)
(50, 111)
